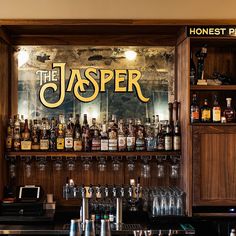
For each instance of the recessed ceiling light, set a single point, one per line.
(130, 55)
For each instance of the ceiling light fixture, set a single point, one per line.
(130, 55)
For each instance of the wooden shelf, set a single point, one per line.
(214, 214)
(213, 87)
(90, 154)
(213, 124)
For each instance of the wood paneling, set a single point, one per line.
(4, 104)
(214, 153)
(183, 96)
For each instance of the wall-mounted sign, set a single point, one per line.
(211, 31)
(77, 83)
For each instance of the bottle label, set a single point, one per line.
(122, 142)
(35, 146)
(69, 142)
(44, 144)
(216, 114)
(104, 144)
(26, 145)
(9, 143)
(161, 143)
(130, 143)
(77, 145)
(177, 143)
(168, 143)
(96, 145)
(140, 144)
(16, 145)
(195, 115)
(112, 144)
(151, 144)
(206, 115)
(60, 143)
(111, 217)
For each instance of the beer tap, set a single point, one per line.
(85, 206)
(106, 191)
(98, 191)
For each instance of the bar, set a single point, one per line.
(117, 128)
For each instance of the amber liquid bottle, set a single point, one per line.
(26, 143)
(216, 111)
(194, 110)
(205, 112)
(229, 112)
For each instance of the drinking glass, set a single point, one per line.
(28, 167)
(102, 164)
(138, 232)
(58, 164)
(89, 228)
(12, 168)
(131, 163)
(174, 168)
(116, 164)
(145, 168)
(42, 163)
(86, 163)
(148, 233)
(70, 164)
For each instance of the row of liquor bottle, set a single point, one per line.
(213, 113)
(56, 135)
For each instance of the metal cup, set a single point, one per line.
(89, 228)
(75, 229)
(105, 228)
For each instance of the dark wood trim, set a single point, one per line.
(108, 40)
(117, 22)
(4, 36)
(213, 87)
(82, 154)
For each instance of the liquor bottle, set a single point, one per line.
(60, 137)
(176, 137)
(35, 136)
(194, 110)
(168, 139)
(122, 140)
(16, 134)
(216, 111)
(131, 137)
(77, 135)
(161, 139)
(53, 136)
(104, 138)
(205, 112)
(150, 138)
(69, 135)
(44, 141)
(9, 138)
(113, 135)
(96, 141)
(193, 79)
(26, 141)
(140, 139)
(112, 214)
(22, 123)
(86, 141)
(229, 112)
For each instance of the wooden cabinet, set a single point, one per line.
(214, 165)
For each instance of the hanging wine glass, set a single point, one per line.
(102, 164)
(42, 163)
(70, 164)
(160, 167)
(145, 168)
(131, 163)
(58, 164)
(174, 168)
(116, 163)
(28, 167)
(12, 168)
(86, 163)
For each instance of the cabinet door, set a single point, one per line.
(214, 165)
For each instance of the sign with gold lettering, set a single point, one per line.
(76, 83)
(211, 31)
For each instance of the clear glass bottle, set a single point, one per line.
(122, 140)
(150, 135)
(229, 112)
(161, 139)
(194, 110)
(216, 111)
(205, 112)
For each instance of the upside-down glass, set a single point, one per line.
(102, 164)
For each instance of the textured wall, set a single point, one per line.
(118, 9)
